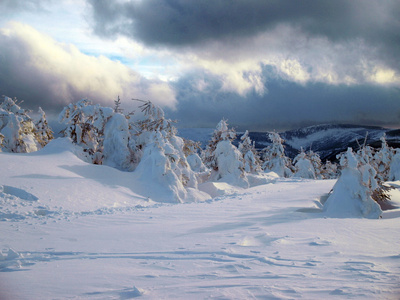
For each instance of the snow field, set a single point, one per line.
(72, 230)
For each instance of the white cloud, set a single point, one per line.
(64, 72)
(296, 56)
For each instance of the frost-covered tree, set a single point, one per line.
(274, 157)
(316, 162)
(251, 159)
(353, 192)
(84, 123)
(17, 128)
(394, 168)
(329, 170)
(191, 150)
(116, 150)
(382, 159)
(1, 142)
(303, 166)
(162, 153)
(223, 158)
(43, 133)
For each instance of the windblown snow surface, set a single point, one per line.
(71, 230)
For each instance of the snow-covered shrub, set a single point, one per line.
(43, 133)
(162, 153)
(17, 128)
(194, 160)
(352, 193)
(303, 166)
(274, 157)
(251, 159)
(382, 159)
(157, 165)
(84, 123)
(316, 162)
(223, 158)
(330, 170)
(116, 150)
(394, 168)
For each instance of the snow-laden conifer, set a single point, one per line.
(251, 159)
(274, 157)
(17, 128)
(43, 132)
(382, 159)
(223, 158)
(191, 150)
(303, 166)
(329, 170)
(116, 150)
(84, 123)
(162, 153)
(394, 167)
(352, 193)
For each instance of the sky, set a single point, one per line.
(261, 65)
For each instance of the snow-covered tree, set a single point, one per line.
(394, 168)
(382, 159)
(353, 192)
(329, 170)
(316, 162)
(84, 123)
(274, 157)
(163, 157)
(17, 128)
(223, 158)
(303, 166)
(43, 133)
(116, 150)
(1, 142)
(251, 159)
(191, 150)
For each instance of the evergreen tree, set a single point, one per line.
(330, 170)
(382, 160)
(353, 192)
(17, 128)
(117, 106)
(162, 152)
(303, 166)
(394, 168)
(84, 123)
(223, 158)
(275, 159)
(316, 163)
(43, 133)
(116, 151)
(252, 162)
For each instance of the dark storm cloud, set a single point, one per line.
(181, 22)
(286, 106)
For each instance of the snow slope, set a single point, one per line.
(70, 230)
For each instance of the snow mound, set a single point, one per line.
(13, 191)
(217, 189)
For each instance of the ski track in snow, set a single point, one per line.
(240, 255)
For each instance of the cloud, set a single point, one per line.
(42, 71)
(13, 6)
(287, 105)
(180, 22)
(333, 42)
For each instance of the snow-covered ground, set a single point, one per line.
(71, 230)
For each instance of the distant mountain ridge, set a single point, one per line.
(327, 140)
